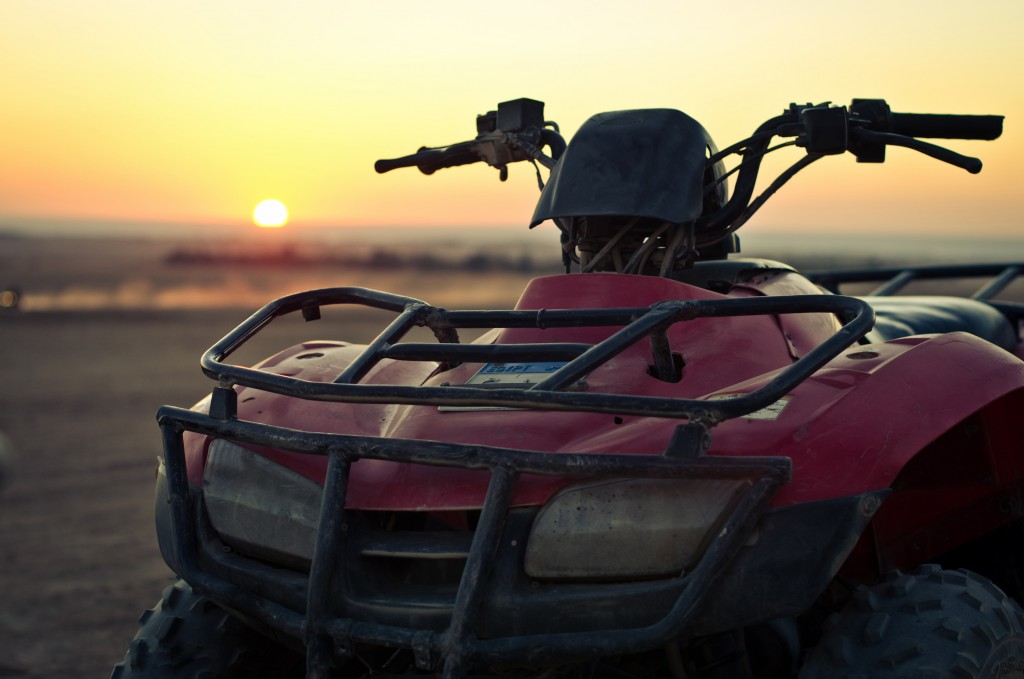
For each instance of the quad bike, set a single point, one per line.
(664, 463)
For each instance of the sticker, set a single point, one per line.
(770, 412)
(506, 376)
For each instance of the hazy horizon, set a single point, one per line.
(956, 246)
(92, 270)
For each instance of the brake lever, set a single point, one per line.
(527, 147)
(969, 163)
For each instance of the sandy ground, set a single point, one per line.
(78, 556)
(81, 377)
(79, 559)
(83, 368)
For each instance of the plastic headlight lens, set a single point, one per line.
(633, 529)
(259, 507)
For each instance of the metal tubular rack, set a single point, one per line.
(327, 633)
(894, 279)
(635, 325)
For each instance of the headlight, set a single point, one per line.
(633, 529)
(259, 507)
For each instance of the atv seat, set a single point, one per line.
(720, 275)
(904, 316)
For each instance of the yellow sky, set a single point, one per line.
(197, 110)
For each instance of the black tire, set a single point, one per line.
(931, 623)
(187, 635)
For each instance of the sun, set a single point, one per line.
(270, 214)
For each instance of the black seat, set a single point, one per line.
(904, 316)
(721, 274)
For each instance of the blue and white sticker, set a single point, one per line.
(514, 373)
(506, 376)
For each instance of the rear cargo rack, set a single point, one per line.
(329, 633)
(894, 279)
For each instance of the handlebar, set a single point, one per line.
(517, 131)
(865, 130)
(874, 114)
(497, 149)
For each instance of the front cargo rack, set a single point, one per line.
(635, 325)
(327, 633)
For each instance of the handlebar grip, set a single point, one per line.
(947, 126)
(430, 161)
(386, 165)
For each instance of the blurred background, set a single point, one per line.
(138, 139)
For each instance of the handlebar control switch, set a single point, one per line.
(874, 114)
(825, 130)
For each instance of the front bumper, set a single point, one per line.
(759, 566)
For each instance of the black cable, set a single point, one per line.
(540, 180)
(728, 151)
(761, 199)
(717, 221)
(760, 154)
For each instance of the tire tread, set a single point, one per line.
(187, 635)
(931, 622)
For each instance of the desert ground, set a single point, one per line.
(108, 332)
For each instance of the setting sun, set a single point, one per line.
(270, 214)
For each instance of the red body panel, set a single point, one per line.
(851, 428)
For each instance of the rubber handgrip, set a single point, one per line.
(423, 157)
(430, 160)
(449, 158)
(947, 126)
(386, 165)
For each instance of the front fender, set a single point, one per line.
(856, 424)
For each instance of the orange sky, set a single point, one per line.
(195, 111)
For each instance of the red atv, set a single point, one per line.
(664, 463)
